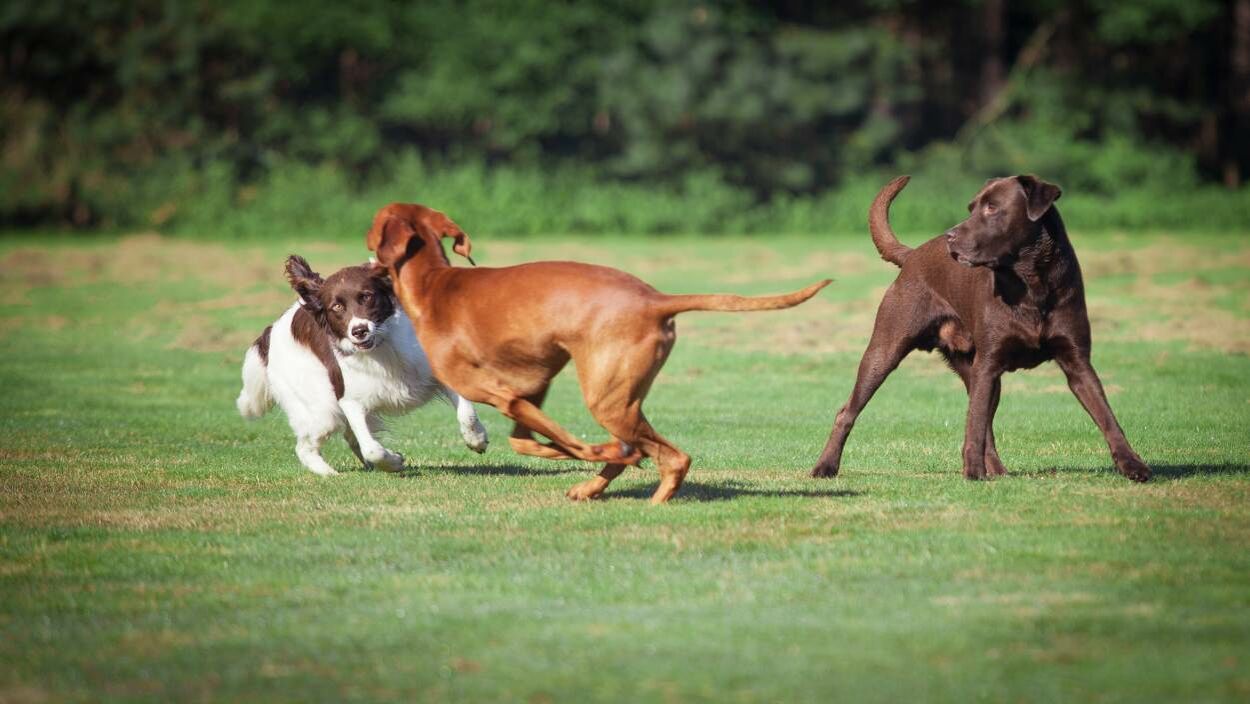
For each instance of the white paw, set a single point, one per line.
(475, 437)
(326, 471)
(390, 461)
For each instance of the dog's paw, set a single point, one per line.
(390, 461)
(974, 473)
(475, 438)
(587, 490)
(825, 471)
(994, 466)
(1133, 468)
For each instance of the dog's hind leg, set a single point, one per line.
(614, 386)
(308, 449)
(962, 365)
(592, 488)
(893, 336)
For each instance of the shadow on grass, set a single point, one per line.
(1181, 471)
(727, 491)
(509, 470)
(1158, 471)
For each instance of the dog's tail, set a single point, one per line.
(673, 305)
(887, 244)
(255, 400)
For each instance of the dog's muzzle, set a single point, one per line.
(362, 335)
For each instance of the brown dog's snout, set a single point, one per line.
(360, 331)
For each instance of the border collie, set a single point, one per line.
(337, 358)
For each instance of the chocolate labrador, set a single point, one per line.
(998, 292)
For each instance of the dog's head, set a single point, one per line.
(402, 232)
(1003, 217)
(353, 304)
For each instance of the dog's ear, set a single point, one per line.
(1039, 195)
(391, 238)
(306, 282)
(440, 225)
(382, 274)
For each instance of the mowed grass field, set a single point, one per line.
(153, 545)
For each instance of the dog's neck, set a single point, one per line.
(1038, 273)
(411, 275)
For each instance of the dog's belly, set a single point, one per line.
(1024, 358)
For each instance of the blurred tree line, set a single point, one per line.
(182, 114)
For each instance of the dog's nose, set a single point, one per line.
(360, 331)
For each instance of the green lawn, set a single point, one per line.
(153, 545)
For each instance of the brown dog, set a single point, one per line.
(998, 292)
(499, 336)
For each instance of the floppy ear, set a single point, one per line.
(390, 239)
(306, 282)
(442, 226)
(1040, 195)
(382, 274)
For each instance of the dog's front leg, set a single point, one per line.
(308, 449)
(981, 394)
(370, 448)
(1087, 388)
(470, 426)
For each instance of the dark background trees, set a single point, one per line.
(123, 113)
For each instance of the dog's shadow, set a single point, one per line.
(729, 491)
(1184, 471)
(1158, 471)
(507, 470)
(690, 490)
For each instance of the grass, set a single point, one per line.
(155, 546)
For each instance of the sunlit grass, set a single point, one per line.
(154, 545)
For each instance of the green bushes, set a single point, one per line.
(526, 116)
(322, 202)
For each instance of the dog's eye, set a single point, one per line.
(337, 307)
(990, 208)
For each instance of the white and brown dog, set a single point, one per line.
(340, 356)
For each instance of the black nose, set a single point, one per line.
(359, 331)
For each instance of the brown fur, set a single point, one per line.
(499, 336)
(1000, 291)
(262, 344)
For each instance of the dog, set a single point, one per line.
(499, 335)
(339, 357)
(998, 292)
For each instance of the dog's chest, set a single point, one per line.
(1022, 343)
(386, 379)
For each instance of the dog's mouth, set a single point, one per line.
(969, 261)
(365, 345)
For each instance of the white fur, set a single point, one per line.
(393, 377)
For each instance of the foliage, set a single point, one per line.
(172, 114)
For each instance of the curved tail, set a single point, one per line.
(673, 305)
(254, 400)
(887, 244)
